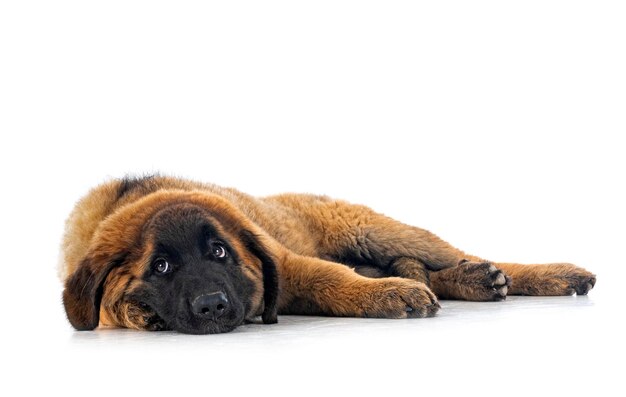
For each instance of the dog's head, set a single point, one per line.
(187, 261)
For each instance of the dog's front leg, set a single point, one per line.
(315, 286)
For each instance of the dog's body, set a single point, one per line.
(167, 253)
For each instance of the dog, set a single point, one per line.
(165, 253)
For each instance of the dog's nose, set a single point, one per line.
(210, 305)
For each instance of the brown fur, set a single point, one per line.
(310, 239)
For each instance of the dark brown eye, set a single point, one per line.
(161, 266)
(218, 250)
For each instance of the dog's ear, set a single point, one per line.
(83, 292)
(270, 276)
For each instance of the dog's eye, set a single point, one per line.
(218, 250)
(161, 266)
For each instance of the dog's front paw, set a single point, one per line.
(483, 281)
(397, 298)
(472, 281)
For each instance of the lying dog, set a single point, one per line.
(160, 253)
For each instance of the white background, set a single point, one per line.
(497, 125)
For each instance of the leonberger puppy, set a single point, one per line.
(163, 253)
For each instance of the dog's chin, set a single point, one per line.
(192, 325)
(210, 327)
(195, 327)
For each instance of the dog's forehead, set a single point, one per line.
(180, 224)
